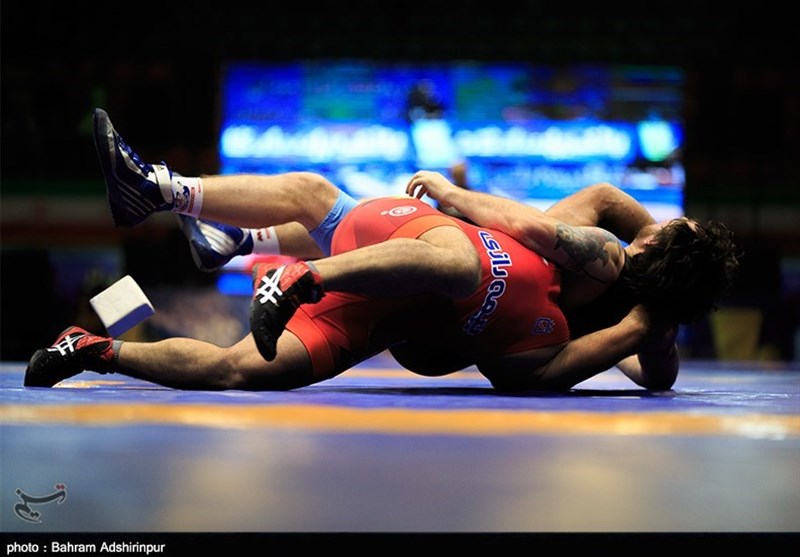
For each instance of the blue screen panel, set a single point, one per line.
(530, 132)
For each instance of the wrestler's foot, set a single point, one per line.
(74, 351)
(212, 244)
(278, 293)
(135, 189)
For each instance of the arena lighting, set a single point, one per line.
(530, 132)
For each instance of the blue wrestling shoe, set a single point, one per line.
(135, 189)
(74, 351)
(213, 244)
(279, 291)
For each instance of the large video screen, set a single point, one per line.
(530, 132)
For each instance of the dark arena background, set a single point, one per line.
(702, 96)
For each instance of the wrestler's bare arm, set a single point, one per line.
(657, 365)
(575, 362)
(606, 206)
(580, 249)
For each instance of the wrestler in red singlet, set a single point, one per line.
(514, 309)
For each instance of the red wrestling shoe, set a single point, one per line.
(279, 291)
(75, 350)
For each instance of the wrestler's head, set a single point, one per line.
(682, 268)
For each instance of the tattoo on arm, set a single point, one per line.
(584, 246)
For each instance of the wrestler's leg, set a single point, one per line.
(292, 239)
(254, 201)
(188, 364)
(238, 211)
(297, 212)
(136, 189)
(178, 363)
(213, 244)
(443, 261)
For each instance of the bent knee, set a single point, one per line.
(314, 196)
(314, 187)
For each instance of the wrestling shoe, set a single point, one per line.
(135, 189)
(212, 244)
(279, 291)
(74, 351)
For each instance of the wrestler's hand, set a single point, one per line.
(659, 332)
(434, 184)
(656, 364)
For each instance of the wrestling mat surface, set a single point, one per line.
(380, 449)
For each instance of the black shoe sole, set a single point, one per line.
(106, 151)
(266, 343)
(35, 377)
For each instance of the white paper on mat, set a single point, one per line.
(122, 306)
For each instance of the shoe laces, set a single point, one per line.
(146, 168)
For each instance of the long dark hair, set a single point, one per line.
(685, 271)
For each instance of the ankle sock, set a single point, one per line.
(187, 195)
(265, 240)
